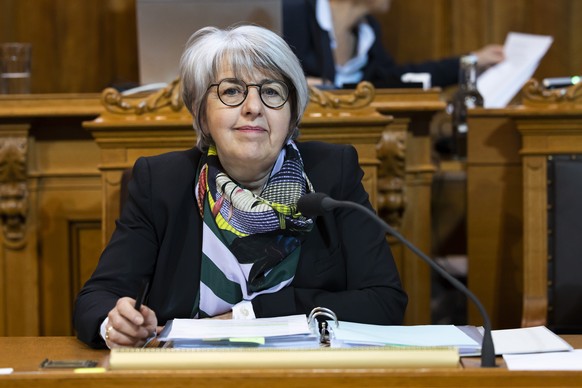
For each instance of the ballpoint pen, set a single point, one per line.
(140, 298)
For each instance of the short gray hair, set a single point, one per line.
(246, 48)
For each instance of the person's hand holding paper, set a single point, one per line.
(523, 52)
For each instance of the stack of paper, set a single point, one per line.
(350, 334)
(290, 331)
(545, 361)
(293, 331)
(537, 339)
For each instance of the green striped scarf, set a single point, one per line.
(251, 244)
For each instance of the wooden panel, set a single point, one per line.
(86, 249)
(469, 26)
(415, 30)
(63, 210)
(494, 218)
(77, 46)
(495, 140)
(70, 237)
(20, 284)
(572, 49)
(559, 132)
(494, 244)
(18, 238)
(535, 298)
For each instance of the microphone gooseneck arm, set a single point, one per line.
(318, 203)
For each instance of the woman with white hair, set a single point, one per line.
(215, 229)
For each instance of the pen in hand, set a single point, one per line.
(140, 298)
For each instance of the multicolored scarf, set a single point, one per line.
(251, 243)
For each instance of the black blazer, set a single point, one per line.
(345, 263)
(312, 46)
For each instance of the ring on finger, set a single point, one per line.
(107, 332)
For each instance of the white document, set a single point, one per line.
(234, 328)
(528, 340)
(545, 361)
(354, 334)
(523, 52)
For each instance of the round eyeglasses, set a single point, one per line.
(233, 92)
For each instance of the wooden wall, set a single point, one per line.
(78, 46)
(86, 45)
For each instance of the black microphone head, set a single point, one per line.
(311, 204)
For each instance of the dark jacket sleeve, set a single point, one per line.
(383, 71)
(128, 258)
(157, 237)
(346, 263)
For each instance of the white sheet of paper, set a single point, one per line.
(545, 361)
(523, 52)
(237, 328)
(536, 339)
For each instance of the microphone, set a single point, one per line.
(314, 204)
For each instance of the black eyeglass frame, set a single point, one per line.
(246, 93)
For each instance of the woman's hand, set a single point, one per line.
(128, 327)
(489, 55)
(227, 315)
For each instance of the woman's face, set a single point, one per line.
(250, 134)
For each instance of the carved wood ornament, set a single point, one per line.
(390, 150)
(361, 97)
(117, 102)
(13, 190)
(534, 93)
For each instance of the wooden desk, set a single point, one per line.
(556, 132)
(507, 201)
(24, 354)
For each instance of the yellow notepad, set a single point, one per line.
(272, 358)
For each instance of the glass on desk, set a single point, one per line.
(15, 68)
